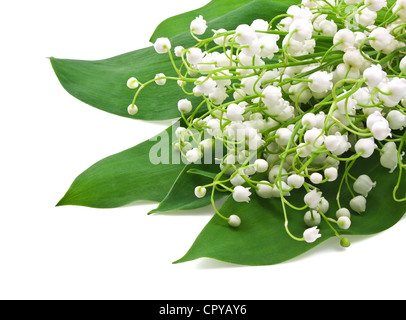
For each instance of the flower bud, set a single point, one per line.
(343, 212)
(316, 178)
(185, 106)
(283, 136)
(132, 109)
(312, 218)
(132, 83)
(324, 205)
(234, 221)
(295, 181)
(261, 165)
(200, 192)
(179, 51)
(344, 223)
(158, 79)
(345, 242)
(193, 155)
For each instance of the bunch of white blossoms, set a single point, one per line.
(291, 101)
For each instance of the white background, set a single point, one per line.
(48, 138)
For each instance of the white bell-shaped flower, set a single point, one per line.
(381, 130)
(328, 28)
(353, 58)
(311, 235)
(374, 75)
(366, 17)
(261, 165)
(375, 5)
(378, 125)
(204, 86)
(337, 143)
(220, 40)
(194, 55)
(363, 185)
(179, 51)
(389, 156)
(241, 194)
(264, 190)
(331, 173)
(234, 112)
(193, 155)
(268, 45)
(396, 119)
(382, 39)
(295, 181)
(365, 147)
(273, 174)
(301, 29)
(245, 34)
(321, 81)
(237, 180)
(358, 204)
(344, 39)
(198, 25)
(162, 45)
(313, 198)
(324, 205)
(400, 9)
(314, 137)
(283, 136)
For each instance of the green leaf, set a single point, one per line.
(182, 196)
(181, 23)
(262, 240)
(203, 173)
(102, 84)
(127, 176)
(216, 13)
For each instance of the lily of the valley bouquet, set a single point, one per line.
(292, 114)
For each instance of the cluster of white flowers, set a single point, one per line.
(293, 101)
